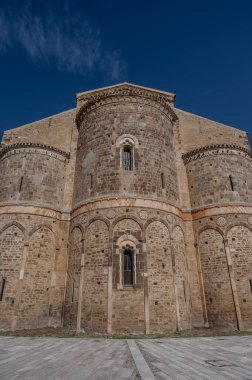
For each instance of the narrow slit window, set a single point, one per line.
(2, 286)
(162, 180)
(91, 181)
(231, 183)
(172, 257)
(21, 184)
(184, 287)
(250, 285)
(73, 288)
(128, 268)
(127, 159)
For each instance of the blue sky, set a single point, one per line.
(200, 50)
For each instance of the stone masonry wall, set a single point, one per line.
(32, 178)
(11, 255)
(99, 153)
(217, 285)
(196, 131)
(181, 279)
(68, 211)
(33, 263)
(115, 229)
(54, 131)
(240, 243)
(161, 286)
(220, 179)
(225, 253)
(95, 278)
(127, 302)
(73, 278)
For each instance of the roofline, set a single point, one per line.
(79, 94)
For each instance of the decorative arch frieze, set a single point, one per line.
(18, 225)
(33, 148)
(38, 227)
(156, 219)
(122, 217)
(101, 100)
(216, 150)
(237, 224)
(79, 226)
(209, 227)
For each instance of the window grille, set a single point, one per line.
(127, 159)
(128, 268)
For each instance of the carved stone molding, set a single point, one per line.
(127, 89)
(143, 214)
(250, 220)
(33, 148)
(221, 221)
(169, 218)
(216, 150)
(125, 94)
(111, 214)
(84, 219)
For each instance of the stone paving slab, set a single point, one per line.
(216, 358)
(70, 359)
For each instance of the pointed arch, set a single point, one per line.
(18, 225)
(39, 226)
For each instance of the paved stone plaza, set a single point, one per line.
(74, 358)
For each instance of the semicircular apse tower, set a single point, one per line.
(125, 204)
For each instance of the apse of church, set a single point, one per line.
(125, 215)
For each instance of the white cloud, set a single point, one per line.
(61, 39)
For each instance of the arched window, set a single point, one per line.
(128, 266)
(127, 158)
(127, 145)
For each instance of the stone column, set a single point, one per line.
(202, 288)
(20, 284)
(78, 323)
(178, 327)
(146, 293)
(110, 290)
(233, 286)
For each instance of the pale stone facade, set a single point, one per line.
(125, 215)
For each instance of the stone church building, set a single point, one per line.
(125, 215)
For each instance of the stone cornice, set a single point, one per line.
(126, 89)
(27, 147)
(113, 203)
(19, 209)
(124, 93)
(216, 150)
